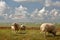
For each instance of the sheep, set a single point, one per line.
(15, 27)
(48, 27)
(22, 27)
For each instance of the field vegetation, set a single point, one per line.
(32, 34)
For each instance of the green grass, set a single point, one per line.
(27, 24)
(6, 34)
(29, 35)
(5, 24)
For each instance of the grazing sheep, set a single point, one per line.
(15, 27)
(48, 27)
(22, 27)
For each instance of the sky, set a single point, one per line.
(29, 10)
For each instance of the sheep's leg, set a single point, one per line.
(45, 36)
(54, 33)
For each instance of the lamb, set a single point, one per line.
(48, 27)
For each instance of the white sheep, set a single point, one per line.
(48, 27)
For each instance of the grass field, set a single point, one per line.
(7, 34)
(31, 34)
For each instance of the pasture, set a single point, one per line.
(31, 34)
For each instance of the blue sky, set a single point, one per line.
(30, 10)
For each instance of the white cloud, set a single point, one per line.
(55, 13)
(20, 12)
(10, 16)
(57, 3)
(2, 7)
(51, 3)
(19, 0)
(42, 10)
(48, 3)
(39, 14)
(34, 13)
(21, 8)
(28, 0)
(44, 14)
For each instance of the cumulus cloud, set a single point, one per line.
(20, 12)
(39, 14)
(54, 13)
(44, 14)
(42, 10)
(3, 9)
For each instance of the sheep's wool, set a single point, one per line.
(48, 26)
(12, 27)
